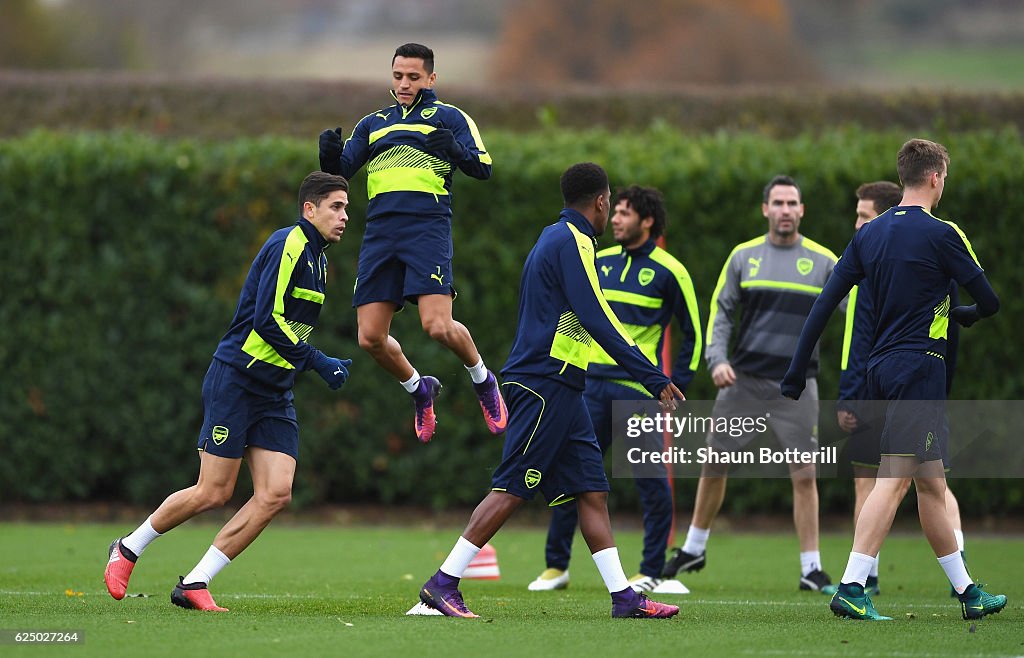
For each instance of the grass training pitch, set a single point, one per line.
(322, 590)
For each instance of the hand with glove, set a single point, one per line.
(333, 371)
(442, 142)
(793, 384)
(965, 316)
(331, 145)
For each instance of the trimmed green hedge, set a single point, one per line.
(232, 108)
(124, 255)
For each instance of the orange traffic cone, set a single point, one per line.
(484, 566)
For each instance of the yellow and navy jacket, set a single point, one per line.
(562, 311)
(776, 286)
(278, 308)
(402, 178)
(645, 287)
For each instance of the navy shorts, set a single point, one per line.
(549, 444)
(914, 386)
(238, 413)
(864, 447)
(403, 257)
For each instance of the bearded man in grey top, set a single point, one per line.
(775, 279)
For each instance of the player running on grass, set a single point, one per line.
(550, 444)
(853, 414)
(906, 259)
(411, 150)
(645, 287)
(247, 396)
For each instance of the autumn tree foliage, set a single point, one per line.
(650, 43)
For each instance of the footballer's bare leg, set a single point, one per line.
(216, 483)
(710, 494)
(931, 508)
(441, 591)
(597, 531)
(436, 318)
(879, 510)
(272, 477)
(488, 517)
(217, 476)
(805, 505)
(863, 482)
(374, 337)
(437, 321)
(953, 510)
(374, 321)
(595, 525)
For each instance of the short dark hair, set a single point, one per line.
(582, 182)
(318, 185)
(417, 50)
(884, 194)
(780, 180)
(918, 158)
(647, 202)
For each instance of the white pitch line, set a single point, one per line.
(860, 653)
(802, 604)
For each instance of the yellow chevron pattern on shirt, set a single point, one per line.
(571, 342)
(406, 169)
(940, 324)
(301, 330)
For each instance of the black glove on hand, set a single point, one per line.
(793, 385)
(333, 371)
(965, 316)
(443, 142)
(330, 151)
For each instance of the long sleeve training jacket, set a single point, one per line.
(562, 311)
(278, 308)
(775, 286)
(402, 176)
(646, 287)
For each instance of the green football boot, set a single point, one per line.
(870, 588)
(975, 603)
(853, 602)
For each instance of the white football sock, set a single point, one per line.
(858, 568)
(208, 567)
(959, 534)
(412, 383)
(874, 567)
(478, 372)
(460, 557)
(696, 540)
(809, 561)
(608, 564)
(956, 571)
(141, 538)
